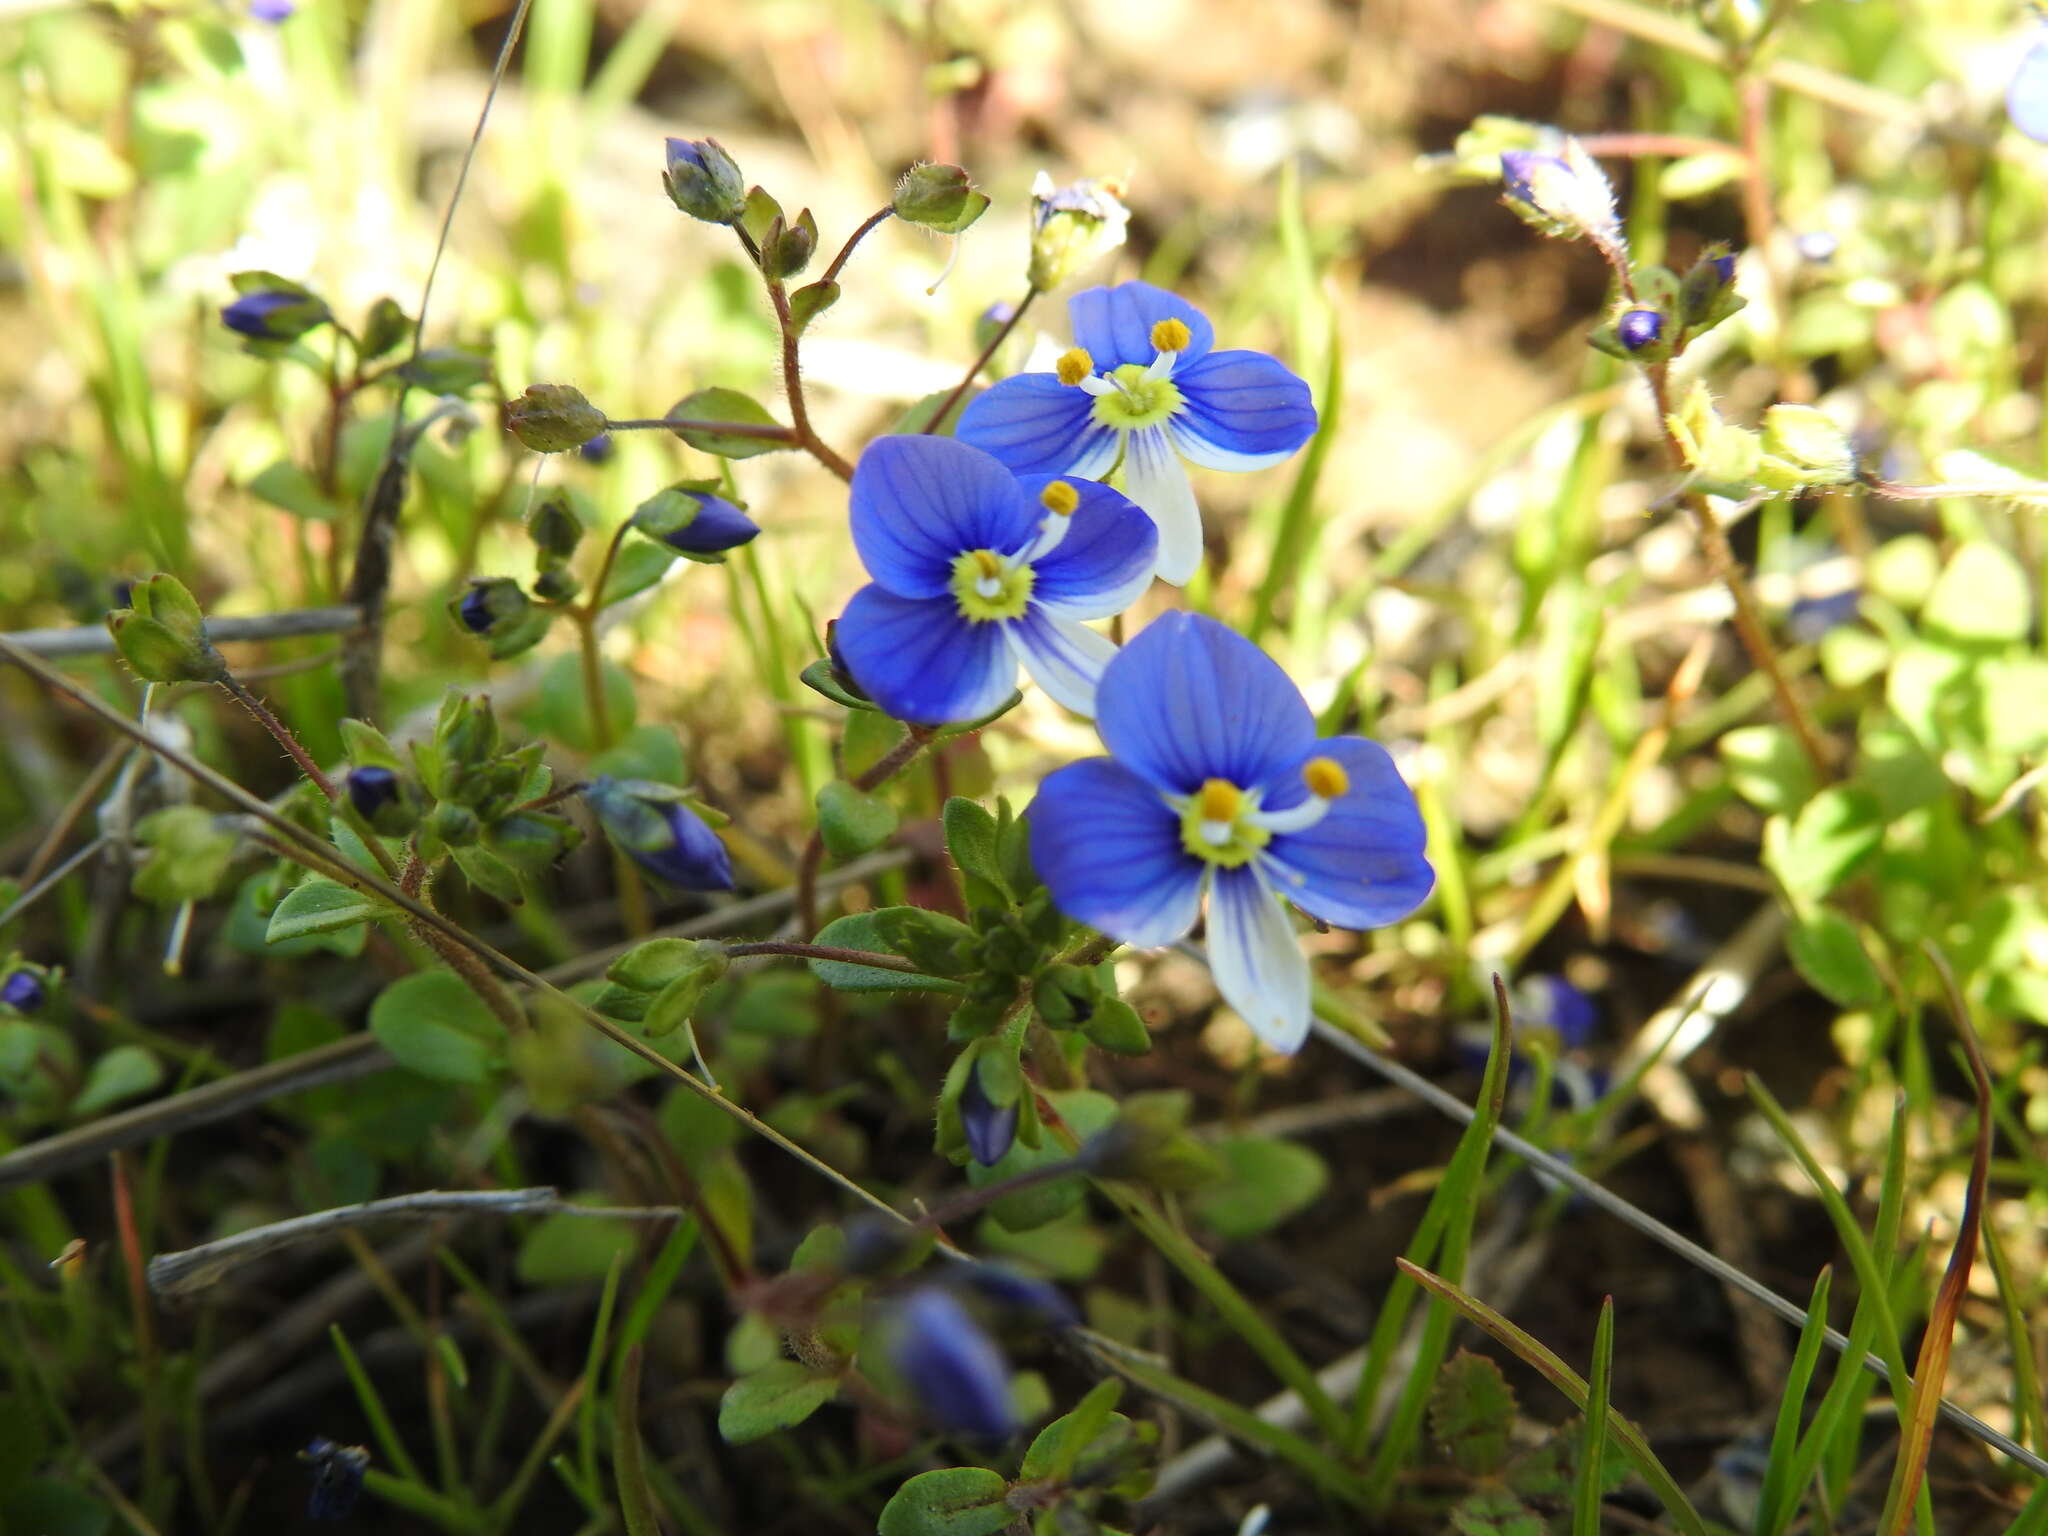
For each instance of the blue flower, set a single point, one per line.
(23, 991)
(975, 571)
(337, 1477)
(951, 1366)
(658, 829)
(990, 1127)
(1217, 784)
(1140, 391)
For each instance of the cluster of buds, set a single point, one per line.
(1665, 312)
(660, 984)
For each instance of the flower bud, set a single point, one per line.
(1566, 196)
(490, 606)
(272, 11)
(1065, 995)
(271, 314)
(1639, 328)
(656, 826)
(555, 584)
(382, 797)
(787, 250)
(1723, 457)
(23, 990)
(337, 1477)
(694, 523)
(1072, 226)
(990, 1127)
(162, 634)
(1802, 446)
(454, 824)
(598, 450)
(554, 525)
(951, 1366)
(704, 181)
(939, 197)
(553, 418)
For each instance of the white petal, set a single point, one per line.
(1064, 658)
(1199, 450)
(1257, 960)
(1156, 480)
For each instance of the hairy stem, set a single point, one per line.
(874, 220)
(793, 385)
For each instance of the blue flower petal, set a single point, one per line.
(1241, 410)
(920, 502)
(2026, 98)
(952, 1366)
(1190, 700)
(1256, 959)
(1104, 563)
(1114, 325)
(1109, 850)
(1038, 426)
(1361, 866)
(1157, 480)
(921, 661)
(1064, 656)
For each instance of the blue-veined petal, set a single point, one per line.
(1190, 699)
(1361, 866)
(1038, 426)
(920, 502)
(1063, 656)
(1257, 960)
(1114, 325)
(1105, 560)
(1109, 850)
(2026, 98)
(1240, 410)
(1156, 480)
(920, 660)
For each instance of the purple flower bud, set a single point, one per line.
(661, 833)
(337, 1477)
(1639, 328)
(1725, 265)
(23, 991)
(274, 315)
(1519, 167)
(475, 610)
(703, 180)
(371, 788)
(272, 11)
(598, 450)
(1026, 1295)
(717, 527)
(990, 1128)
(951, 1366)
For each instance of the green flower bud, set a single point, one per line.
(553, 418)
(1802, 446)
(554, 525)
(162, 634)
(1707, 294)
(1073, 226)
(1723, 458)
(556, 585)
(939, 197)
(704, 181)
(456, 825)
(788, 248)
(384, 328)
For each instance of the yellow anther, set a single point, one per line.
(1219, 800)
(1325, 778)
(1074, 365)
(1059, 498)
(988, 563)
(1171, 336)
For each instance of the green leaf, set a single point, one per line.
(953, 1501)
(434, 1025)
(488, 873)
(125, 1072)
(819, 678)
(1830, 955)
(853, 823)
(1265, 1182)
(640, 564)
(1981, 599)
(289, 487)
(1472, 1413)
(971, 840)
(777, 1396)
(1496, 1512)
(565, 1249)
(857, 931)
(1834, 833)
(319, 905)
(1767, 768)
(561, 712)
(811, 301)
(719, 404)
(1059, 1452)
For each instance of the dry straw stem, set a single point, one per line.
(97, 640)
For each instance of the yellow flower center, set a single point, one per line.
(1137, 401)
(1215, 825)
(1171, 336)
(988, 587)
(1074, 366)
(1060, 499)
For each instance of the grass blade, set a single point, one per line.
(1779, 1493)
(1592, 1459)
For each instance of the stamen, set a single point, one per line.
(1325, 778)
(1059, 498)
(1171, 336)
(989, 563)
(1074, 365)
(1219, 800)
